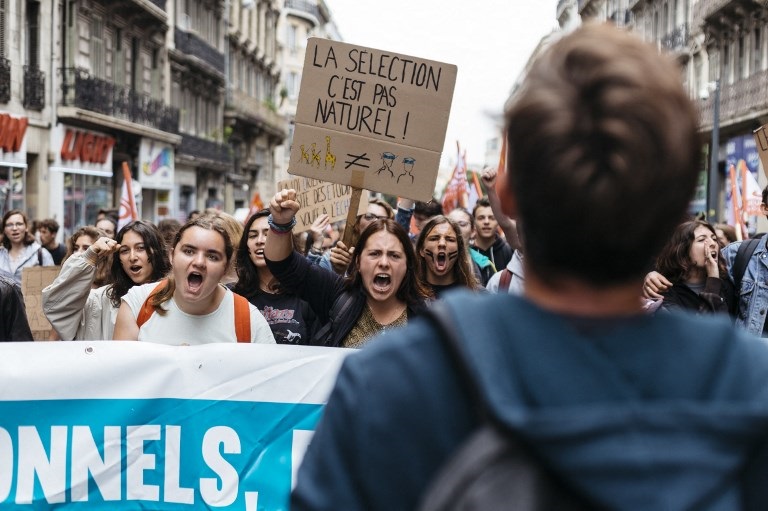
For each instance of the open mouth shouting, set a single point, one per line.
(195, 281)
(382, 282)
(441, 260)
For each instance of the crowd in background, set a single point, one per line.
(312, 290)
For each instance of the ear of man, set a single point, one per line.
(506, 196)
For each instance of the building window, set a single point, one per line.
(83, 197)
(97, 47)
(757, 51)
(293, 85)
(292, 37)
(33, 35)
(740, 72)
(12, 185)
(3, 7)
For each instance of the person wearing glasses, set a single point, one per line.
(19, 248)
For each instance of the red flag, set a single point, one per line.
(457, 191)
(128, 211)
(502, 161)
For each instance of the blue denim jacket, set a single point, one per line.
(753, 294)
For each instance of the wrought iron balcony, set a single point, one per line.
(677, 40)
(743, 99)
(192, 45)
(81, 90)
(34, 88)
(5, 80)
(254, 112)
(204, 149)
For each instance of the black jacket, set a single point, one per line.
(325, 292)
(718, 296)
(13, 316)
(500, 253)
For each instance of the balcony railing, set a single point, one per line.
(677, 40)
(5, 80)
(191, 44)
(34, 88)
(256, 112)
(204, 149)
(81, 90)
(742, 99)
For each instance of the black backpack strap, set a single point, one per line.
(743, 255)
(40, 256)
(342, 303)
(443, 319)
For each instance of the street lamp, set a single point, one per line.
(713, 184)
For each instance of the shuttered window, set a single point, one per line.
(97, 47)
(3, 7)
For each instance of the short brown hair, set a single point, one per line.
(49, 224)
(603, 156)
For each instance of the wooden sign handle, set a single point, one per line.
(349, 229)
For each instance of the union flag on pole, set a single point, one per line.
(457, 192)
(128, 212)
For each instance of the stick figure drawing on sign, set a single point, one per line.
(387, 159)
(407, 169)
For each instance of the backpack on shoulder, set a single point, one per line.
(242, 313)
(743, 255)
(494, 468)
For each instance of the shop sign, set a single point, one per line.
(156, 165)
(13, 140)
(82, 151)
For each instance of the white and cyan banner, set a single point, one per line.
(129, 425)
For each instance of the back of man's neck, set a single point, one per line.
(575, 297)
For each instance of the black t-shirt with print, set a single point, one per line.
(291, 319)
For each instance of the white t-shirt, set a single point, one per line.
(176, 327)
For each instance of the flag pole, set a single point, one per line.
(129, 185)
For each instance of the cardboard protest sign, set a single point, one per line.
(761, 139)
(371, 119)
(321, 197)
(33, 280)
(134, 425)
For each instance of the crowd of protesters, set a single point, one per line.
(309, 287)
(606, 338)
(313, 289)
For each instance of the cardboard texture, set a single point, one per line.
(33, 281)
(317, 197)
(761, 139)
(381, 113)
